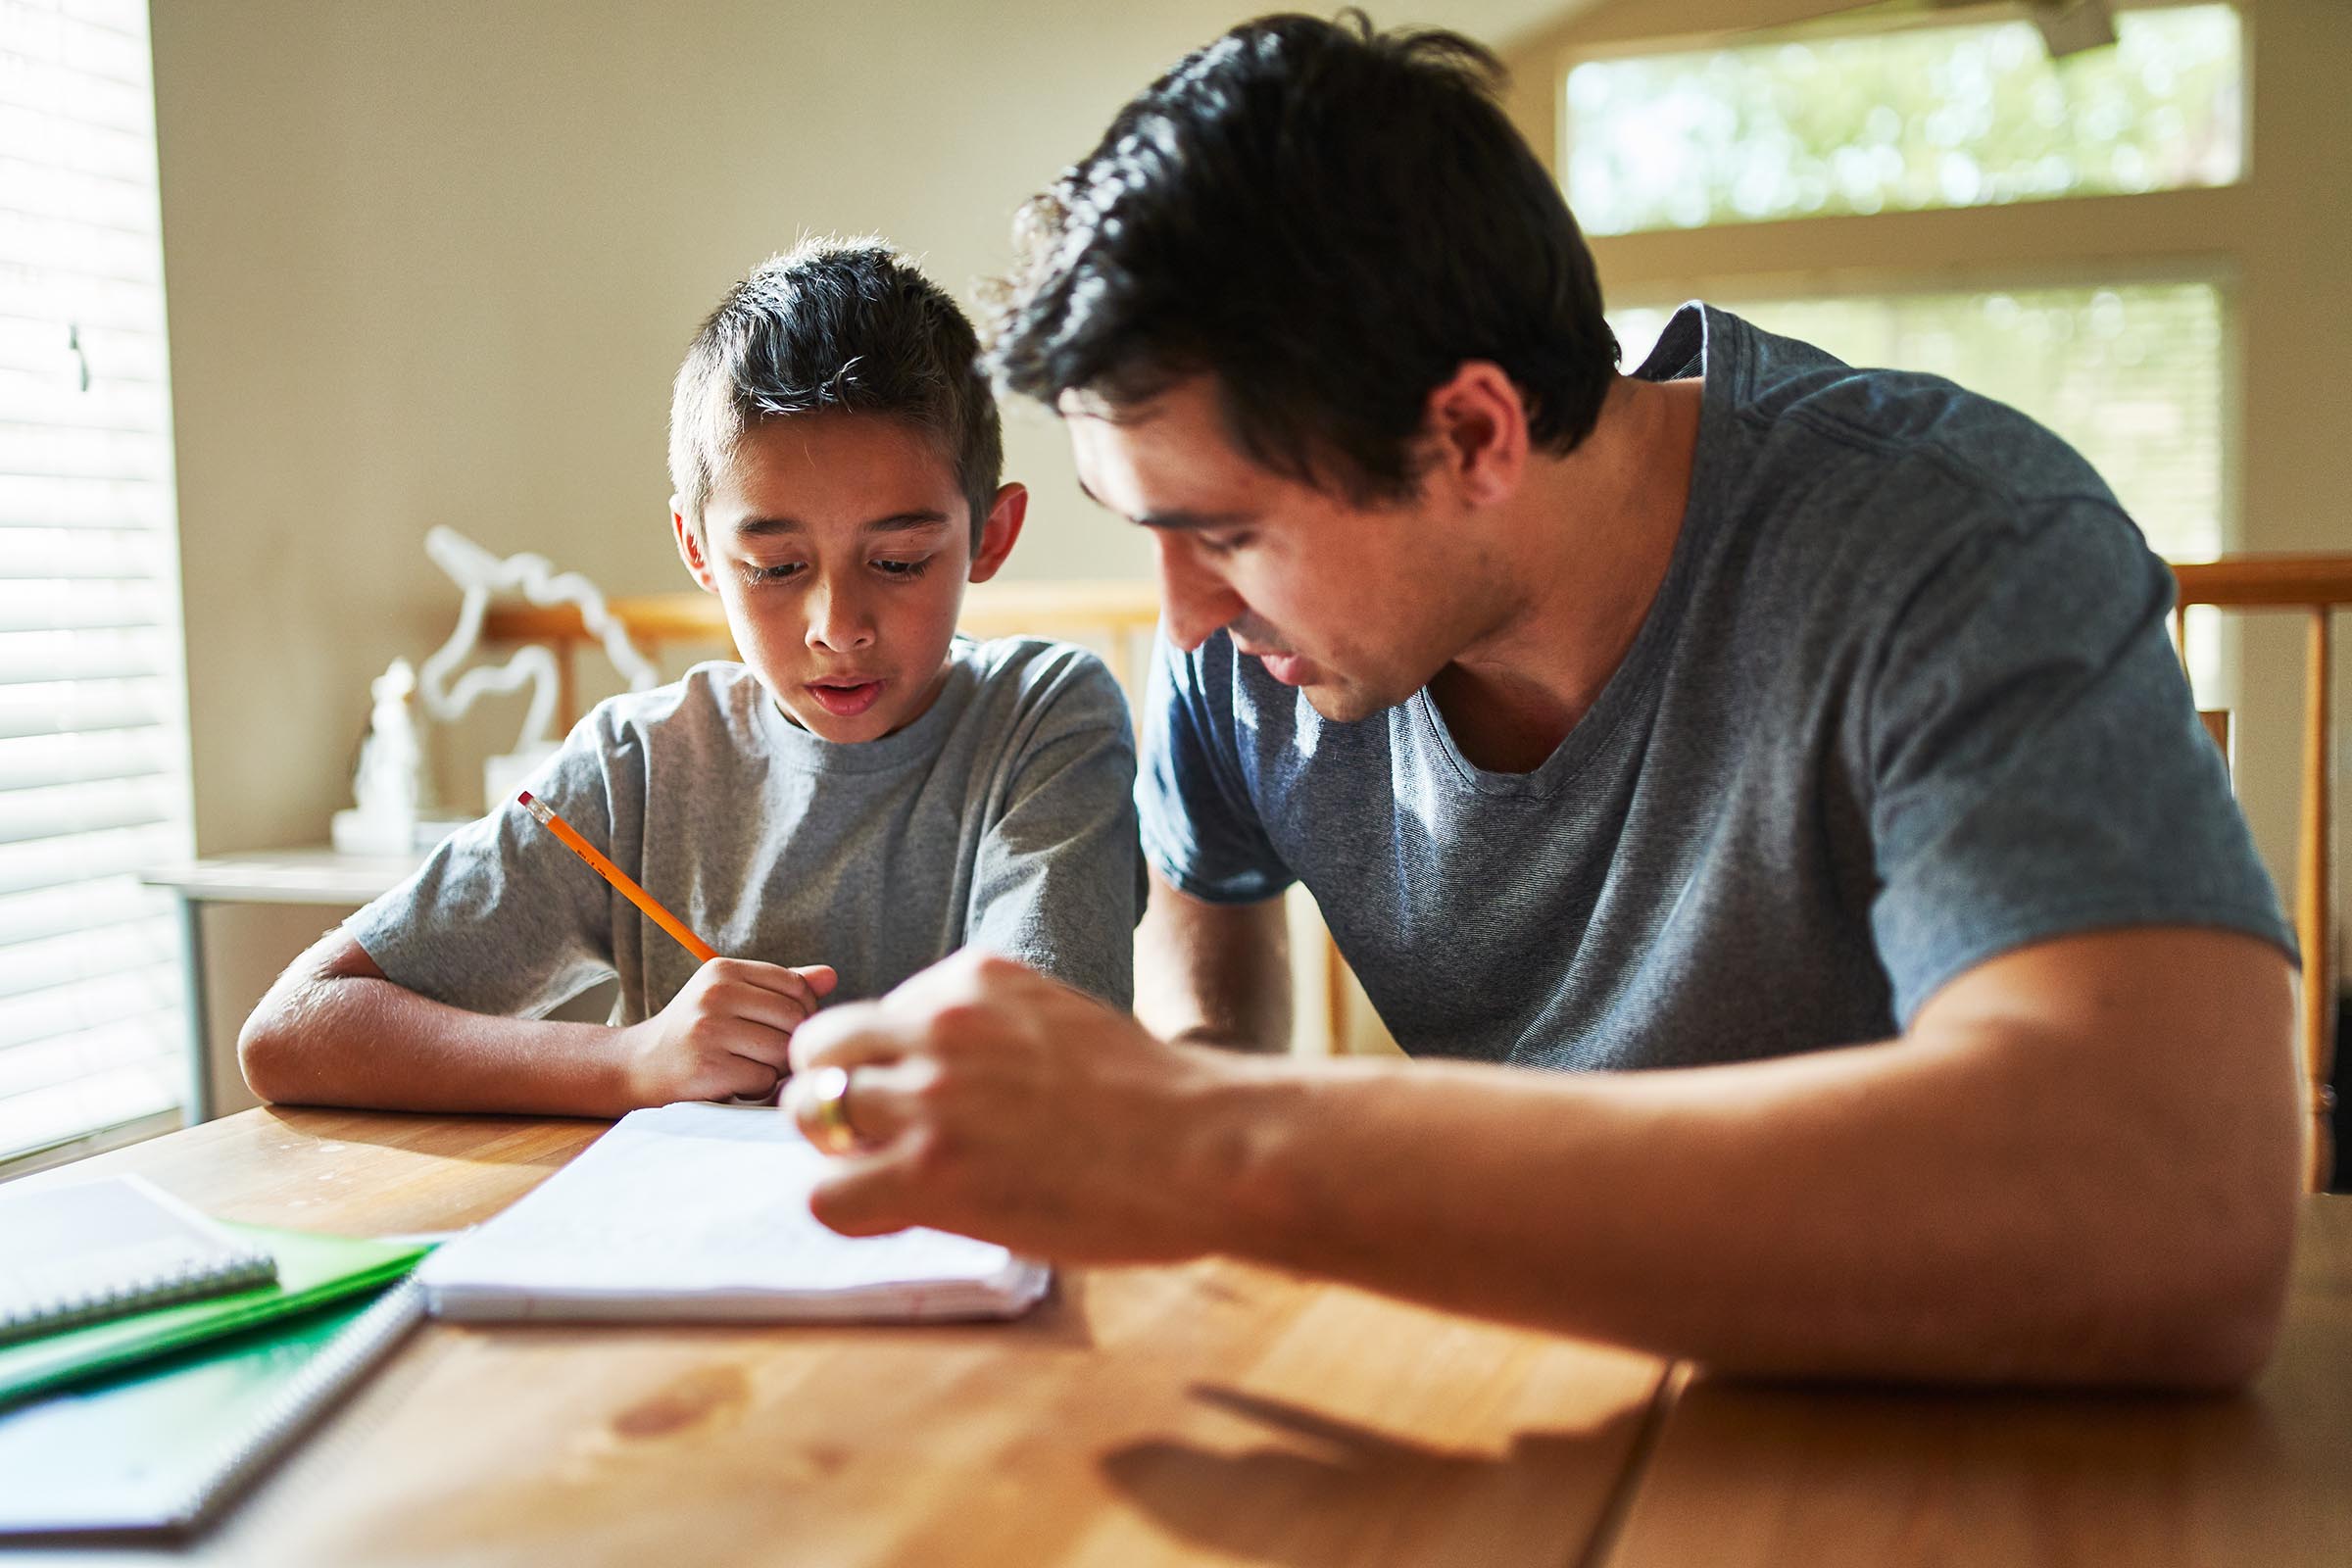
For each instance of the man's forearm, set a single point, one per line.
(1990, 1204)
(354, 1041)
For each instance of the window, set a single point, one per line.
(1900, 188)
(92, 735)
(1903, 120)
(2130, 374)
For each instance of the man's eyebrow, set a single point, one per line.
(895, 522)
(1179, 519)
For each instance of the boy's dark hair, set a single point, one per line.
(1329, 220)
(847, 327)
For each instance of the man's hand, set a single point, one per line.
(727, 1032)
(991, 1101)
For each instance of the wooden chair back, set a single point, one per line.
(2314, 586)
(1116, 619)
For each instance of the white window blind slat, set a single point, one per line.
(33, 402)
(77, 957)
(36, 606)
(84, 857)
(90, 1104)
(62, 553)
(82, 454)
(73, 808)
(59, 349)
(59, 1059)
(48, 913)
(93, 150)
(62, 708)
(127, 17)
(44, 1014)
(43, 762)
(49, 292)
(37, 188)
(59, 501)
(30, 657)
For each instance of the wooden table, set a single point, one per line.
(1214, 1412)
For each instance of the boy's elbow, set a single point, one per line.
(263, 1050)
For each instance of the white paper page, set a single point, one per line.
(682, 1203)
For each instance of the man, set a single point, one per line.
(1701, 718)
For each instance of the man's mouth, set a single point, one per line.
(1292, 669)
(846, 699)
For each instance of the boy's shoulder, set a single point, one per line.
(713, 704)
(1013, 676)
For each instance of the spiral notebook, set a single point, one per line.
(161, 1447)
(87, 1251)
(701, 1213)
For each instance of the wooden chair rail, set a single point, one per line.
(1117, 617)
(2316, 584)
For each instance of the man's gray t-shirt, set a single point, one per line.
(1003, 818)
(1904, 702)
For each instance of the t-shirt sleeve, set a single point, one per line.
(1058, 882)
(2036, 766)
(1200, 828)
(501, 918)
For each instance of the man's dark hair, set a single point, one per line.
(847, 327)
(1329, 220)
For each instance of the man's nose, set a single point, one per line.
(1195, 602)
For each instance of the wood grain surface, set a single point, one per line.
(1214, 1412)
(1753, 1477)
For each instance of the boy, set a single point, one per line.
(862, 794)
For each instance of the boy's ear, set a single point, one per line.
(690, 548)
(999, 531)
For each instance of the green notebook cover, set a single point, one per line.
(311, 1270)
(162, 1445)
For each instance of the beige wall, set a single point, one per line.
(436, 261)
(2282, 236)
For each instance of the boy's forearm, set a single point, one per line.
(356, 1041)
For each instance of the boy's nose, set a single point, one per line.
(1193, 601)
(837, 621)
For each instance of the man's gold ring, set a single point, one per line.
(827, 1097)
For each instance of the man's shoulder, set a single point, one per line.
(1816, 427)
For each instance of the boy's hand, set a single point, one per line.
(727, 1032)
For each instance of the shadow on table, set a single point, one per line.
(1327, 1491)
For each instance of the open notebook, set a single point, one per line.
(698, 1212)
(99, 1248)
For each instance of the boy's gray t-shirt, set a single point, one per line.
(1003, 818)
(1904, 702)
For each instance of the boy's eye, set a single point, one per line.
(902, 568)
(1225, 544)
(783, 571)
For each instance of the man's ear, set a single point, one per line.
(1476, 426)
(690, 548)
(999, 533)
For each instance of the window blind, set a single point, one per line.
(92, 733)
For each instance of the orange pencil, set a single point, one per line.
(618, 877)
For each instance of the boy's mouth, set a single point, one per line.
(846, 699)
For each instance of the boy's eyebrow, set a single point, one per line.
(1173, 520)
(896, 522)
